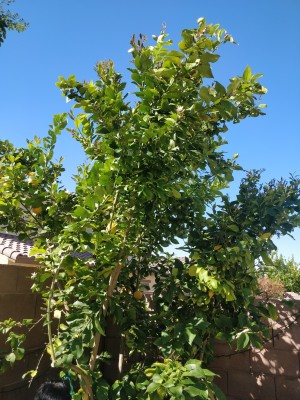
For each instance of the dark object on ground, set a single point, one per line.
(53, 391)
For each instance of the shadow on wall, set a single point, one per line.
(272, 373)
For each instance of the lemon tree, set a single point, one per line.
(155, 173)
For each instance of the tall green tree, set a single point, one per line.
(9, 21)
(155, 172)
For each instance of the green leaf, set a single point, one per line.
(193, 363)
(266, 258)
(195, 392)
(220, 88)
(175, 53)
(272, 311)
(175, 193)
(205, 95)
(183, 45)
(77, 350)
(256, 341)
(99, 327)
(11, 357)
(208, 373)
(223, 322)
(191, 335)
(81, 212)
(218, 392)
(205, 71)
(166, 72)
(34, 251)
(153, 387)
(243, 341)
(91, 201)
(247, 74)
(19, 353)
(79, 304)
(161, 391)
(176, 391)
(233, 228)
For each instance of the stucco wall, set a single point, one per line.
(272, 373)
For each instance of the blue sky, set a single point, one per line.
(69, 36)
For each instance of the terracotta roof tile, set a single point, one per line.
(13, 248)
(18, 251)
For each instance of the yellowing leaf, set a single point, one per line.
(32, 373)
(176, 194)
(193, 270)
(111, 227)
(265, 236)
(218, 247)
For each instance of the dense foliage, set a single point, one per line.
(155, 172)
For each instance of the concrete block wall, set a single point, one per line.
(18, 302)
(272, 373)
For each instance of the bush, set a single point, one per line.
(270, 288)
(280, 271)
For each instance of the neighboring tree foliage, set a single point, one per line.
(155, 172)
(270, 288)
(9, 20)
(285, 271)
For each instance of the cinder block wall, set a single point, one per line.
(272, 373)
(18, 302)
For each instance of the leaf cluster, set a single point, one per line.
(169, 380)
(9, 20)
(13, 334)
